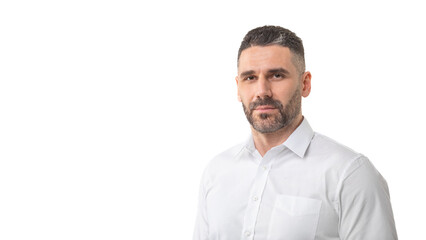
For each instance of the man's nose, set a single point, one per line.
(263, 88)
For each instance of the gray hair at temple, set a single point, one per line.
(275, 35)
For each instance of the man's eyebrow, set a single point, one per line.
(278, 70)
(247, 73)
(270, 71)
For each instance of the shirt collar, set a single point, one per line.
(298, 142)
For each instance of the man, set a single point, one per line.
(286, 181)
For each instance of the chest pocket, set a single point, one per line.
(294, 218)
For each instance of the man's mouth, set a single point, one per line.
(265, 108)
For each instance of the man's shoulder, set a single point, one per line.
(228, 154)
(335, 157)
(332, 149)
(225, 158)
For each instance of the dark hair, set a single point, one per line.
(275, 35)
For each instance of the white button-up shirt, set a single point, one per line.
(308, 188)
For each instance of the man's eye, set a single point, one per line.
(250, 78)
(277, 75)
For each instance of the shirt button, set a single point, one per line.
(247, 233)
(255, 198)
(264, 167)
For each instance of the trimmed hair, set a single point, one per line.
(275, 35)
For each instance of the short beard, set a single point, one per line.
(268, 123)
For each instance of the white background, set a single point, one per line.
(110, 110)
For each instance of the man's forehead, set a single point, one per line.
(270, 57)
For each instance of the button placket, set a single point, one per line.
(253, 206)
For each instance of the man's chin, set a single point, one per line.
(265, 116)
(266, 127)
(266, 130)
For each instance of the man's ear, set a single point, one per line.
(306, 84)
(238, 93)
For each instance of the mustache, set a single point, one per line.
(265, 102)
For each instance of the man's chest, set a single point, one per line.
(272, 202)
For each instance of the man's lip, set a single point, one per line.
(264, 108)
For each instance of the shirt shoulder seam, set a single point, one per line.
(345, 174)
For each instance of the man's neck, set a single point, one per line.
(265, 141)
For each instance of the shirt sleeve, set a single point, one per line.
(201, 223)
(364, 202)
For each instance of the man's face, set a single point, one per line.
(270, 87)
